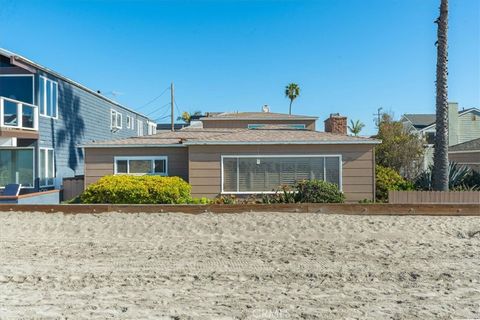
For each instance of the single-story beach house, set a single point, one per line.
(244, 153)
(466, 153)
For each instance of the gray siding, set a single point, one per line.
(468, 127)
(82, 118)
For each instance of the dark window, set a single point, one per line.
(430, 137)
(17, 87)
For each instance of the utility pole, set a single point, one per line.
(378, 116)
(172, 100)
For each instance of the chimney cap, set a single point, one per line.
(265, 108)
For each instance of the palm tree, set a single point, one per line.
(440, 157)
(187, 116)
(356, 127)
(292, 91)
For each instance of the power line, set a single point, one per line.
(158, 109)
(161, 118)
(154, 99)
(176, 105)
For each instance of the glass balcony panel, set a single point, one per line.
(28, 117)
(10, 116)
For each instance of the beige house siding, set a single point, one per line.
(471, 159)
(309, 124)
(357, 174)
(99, 161)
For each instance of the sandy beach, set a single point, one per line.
(238, 266)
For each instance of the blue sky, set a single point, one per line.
(348, 56)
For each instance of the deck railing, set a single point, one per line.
(18, 115)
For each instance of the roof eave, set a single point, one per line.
(73, 82)
(314, 142)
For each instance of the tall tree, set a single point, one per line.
(292, 91)
(440, 156)
(356, 127)
(400, 150)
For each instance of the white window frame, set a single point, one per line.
(128, 158)
(52, 82)
(129, 122)
(236, 156)
(24, 75)
(46, 165)
(117, 116)
(33, 164)
(139, 128)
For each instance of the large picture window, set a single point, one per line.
(17, 87)
(141, 165)
(48, 102)
(16, 166)
(47, 168)
(258, 174)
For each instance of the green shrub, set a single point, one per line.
(124, 189)
(225, 199)
(389, 179)
(306, 191)
(318, 191)
(285, 194)
(460, 178)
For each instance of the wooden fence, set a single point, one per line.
(437, 197)
(73, 187)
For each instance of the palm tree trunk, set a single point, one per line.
(290, 109)
(440, 158)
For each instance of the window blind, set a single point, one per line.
(265, 174)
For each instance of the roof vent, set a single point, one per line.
(265, 108)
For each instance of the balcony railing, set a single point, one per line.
(18, 115)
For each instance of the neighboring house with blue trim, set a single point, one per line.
(463, 126)
(45, 117)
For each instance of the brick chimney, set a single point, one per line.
(336, 124)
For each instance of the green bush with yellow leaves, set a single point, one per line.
(125, 189)
(389, 179)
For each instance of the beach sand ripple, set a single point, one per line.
(238, 266)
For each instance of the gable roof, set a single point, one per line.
(472, 145)
(255, 116)
(268, 135)
(422, 121)
(21, 59)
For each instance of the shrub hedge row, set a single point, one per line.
(125, 189)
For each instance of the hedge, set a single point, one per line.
(125, 189)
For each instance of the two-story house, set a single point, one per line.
(45, 117)
(463, 126)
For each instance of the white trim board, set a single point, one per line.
(128, 158)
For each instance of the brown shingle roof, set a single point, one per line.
(268, 135)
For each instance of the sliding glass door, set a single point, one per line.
(16, 166)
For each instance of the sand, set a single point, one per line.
(238, 266)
